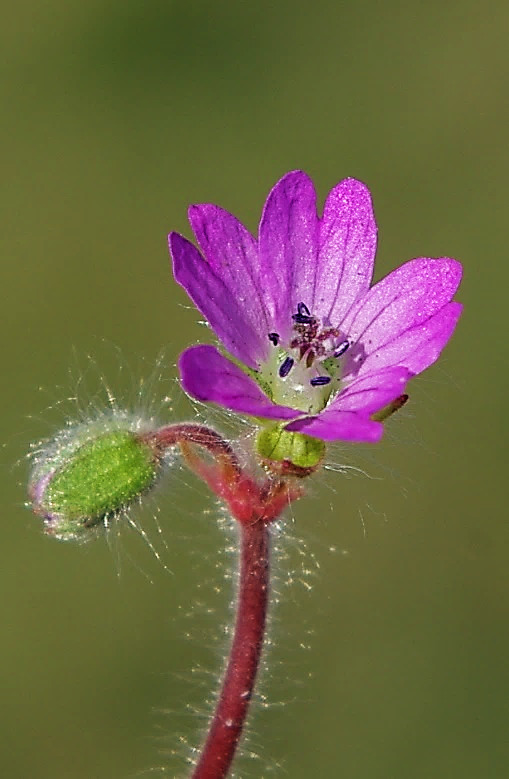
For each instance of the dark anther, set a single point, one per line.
(302, 319)
(303, 315)
(319, 381)
(274, 338)
(285, 367)
(341, 349)
(309, 359)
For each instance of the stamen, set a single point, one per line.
(285, 367)
(310, 358)
(302, 319)
(341, 349)
(274, 338)
(320, 381)
(303, 315)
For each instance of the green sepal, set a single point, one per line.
(277, 445)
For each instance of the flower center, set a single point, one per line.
(306, 372)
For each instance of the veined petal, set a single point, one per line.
(232, 253)
(347, 248)
(372, 392)
(406, 298)
(420, 346)
(213, 298)
(288, 247)
(337, 425)
(210, 377)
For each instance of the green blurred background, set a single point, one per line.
(390, 640)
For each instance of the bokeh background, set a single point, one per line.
(390, 640)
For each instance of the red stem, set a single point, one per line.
(188, 432)
(239, 679)
(254, 505)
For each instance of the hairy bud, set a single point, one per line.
(91, 472)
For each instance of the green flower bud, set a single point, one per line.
(289, 453)
(90, 473)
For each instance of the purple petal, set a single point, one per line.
(288, 247)
(232, 252)
(372, 392)
(420, 346)
(407, 298)
(339, 426)
(210, 377)
(347, 248)
(210, 294)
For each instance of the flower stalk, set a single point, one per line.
(254, 505)
(239, 679)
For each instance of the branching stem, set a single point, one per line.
(254, 504)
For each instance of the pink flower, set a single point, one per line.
(308, 341)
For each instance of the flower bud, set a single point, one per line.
(90, 473)
(287, 453)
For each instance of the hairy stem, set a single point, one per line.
(237, 688)
(201, 435)
(254, 505)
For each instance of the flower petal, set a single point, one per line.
(339, 426)
(210, 294)
(372, 392)
(420, 346)
(232, 252)
(288, 247)
(407, 298)
(347, 248)
(210, 377)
